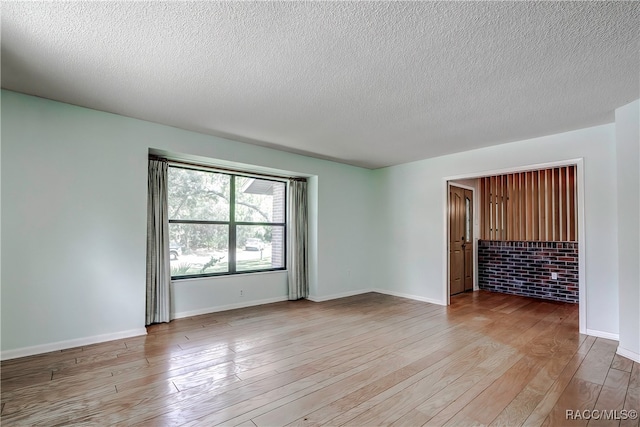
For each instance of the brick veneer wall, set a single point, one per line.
(524, 268)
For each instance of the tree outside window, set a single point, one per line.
(223, 223)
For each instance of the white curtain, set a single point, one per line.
(298, 276)
(158, 267)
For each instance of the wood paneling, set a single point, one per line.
(530, 206)
(371, 359)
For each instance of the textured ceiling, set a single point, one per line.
(366, 83)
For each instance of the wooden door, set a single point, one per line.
(460, 240)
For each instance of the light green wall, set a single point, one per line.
(74, 222)
(413, 218)
(628, 168)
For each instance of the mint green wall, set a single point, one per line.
(628, 168)
(414, 214)
(74, 222)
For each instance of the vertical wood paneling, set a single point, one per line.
(484, 209)
(505, 200)
(487, 219)
(493, 208)
(572, 205)
(530, 206)
(521, 208)
(499, 206)
(527, 201)
(564, 211)
(505, 193)
(510, 218)
(543, 205)
(556, 204)
(516, 208)
(501, 221)
(535, 208)
(549, 198)
(484, 197)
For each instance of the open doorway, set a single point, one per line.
(534, 211)
(461, 246)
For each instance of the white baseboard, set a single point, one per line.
(628, 354)
(380, 291)
(218, 308)
(408, 296)
(62, 345)
(336, 296)
(601, 334)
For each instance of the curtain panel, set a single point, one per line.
(298, 274)
(158, 267)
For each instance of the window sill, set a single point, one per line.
(227, 276)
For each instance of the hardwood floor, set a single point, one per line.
(372, 359)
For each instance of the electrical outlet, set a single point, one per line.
(241, 293)
(554, 276)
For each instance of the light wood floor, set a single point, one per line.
(372, 359)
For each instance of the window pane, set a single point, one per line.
(259, 247)
(259, 200)
(198, 249)
(198, 195)
(467, 215)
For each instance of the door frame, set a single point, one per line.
(579, 163)
(474, 243)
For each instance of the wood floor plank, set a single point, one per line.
(335, 352)
(546, 404)
(596, 364)
(622, 363)
(36, 398)
(525, 403)
(535, 330)
(373, 395)
(124, 408)
(325, 378)
(634, 381)
(556, 346)
(370, 359)
(488, 404)
(424, 359)
(454, 366)
(293, 410)
(631, 403)
(510, 382)
(578, 396)
(614, 390)
(461, 390)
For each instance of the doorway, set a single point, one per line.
(468, 180)
(460, 240)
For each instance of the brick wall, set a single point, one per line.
(524, 268)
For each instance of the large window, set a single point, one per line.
(222, 223)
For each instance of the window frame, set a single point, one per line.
(233, 224)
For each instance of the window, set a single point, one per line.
(467, 220)
(222, 223)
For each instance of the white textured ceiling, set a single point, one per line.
(366, 83)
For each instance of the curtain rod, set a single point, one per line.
(221, 169)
